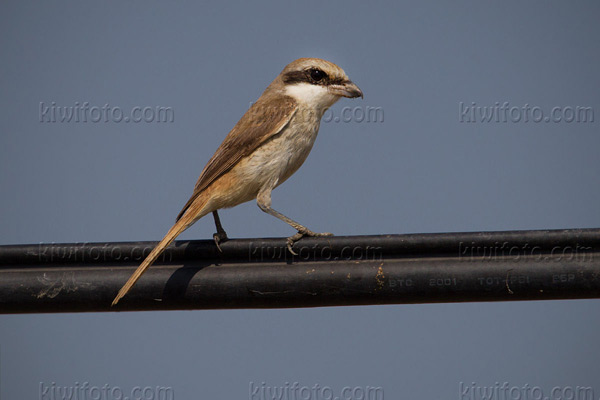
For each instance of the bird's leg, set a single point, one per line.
(221, 235)
(264, 203)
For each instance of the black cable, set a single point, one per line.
(332, 271)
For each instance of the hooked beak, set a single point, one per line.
(346, 89)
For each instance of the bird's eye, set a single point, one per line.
(317, 74)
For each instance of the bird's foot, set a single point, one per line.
(219, 238)
(305, 232)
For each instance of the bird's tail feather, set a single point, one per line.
(181, 225)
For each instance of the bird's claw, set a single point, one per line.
(218, 238)
(300, 234)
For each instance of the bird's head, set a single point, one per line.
(316, 82)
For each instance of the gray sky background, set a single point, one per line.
(421, 169)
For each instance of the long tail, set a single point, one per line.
(192, 215)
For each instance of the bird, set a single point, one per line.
(266, 146)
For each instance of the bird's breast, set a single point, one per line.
(280, 156)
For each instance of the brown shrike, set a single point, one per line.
(267, 145)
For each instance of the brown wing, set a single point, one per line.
(266, 118)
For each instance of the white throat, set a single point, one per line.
(315, 96)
